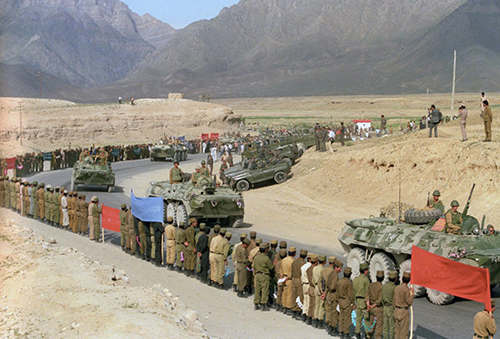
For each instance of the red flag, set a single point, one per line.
(452, 277)
(11, 163)
(204, 136)
(111, 218)
(214, 136)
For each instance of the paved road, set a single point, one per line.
(431, 321)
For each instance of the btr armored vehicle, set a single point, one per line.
(203, 200)
(386, 245)
(175, 152)
(89, 173)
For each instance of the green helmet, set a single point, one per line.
(454, 203)
(436, 192)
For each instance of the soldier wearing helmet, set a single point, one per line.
(453, 219)
(436, 202)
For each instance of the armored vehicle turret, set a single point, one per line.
(203, 200)
(175, 152)
(88, 172)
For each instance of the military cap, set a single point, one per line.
(380, 274)
(274, 242)
(182, 223)
(42, 184)
(35, 183)
(48, 186)
(253, 234)
(303, 252)
(331, 259)
(203, 162)
(170, 219)
(454, 203)
(80, 196)
(94, 199)
(314, 258)
(406, 274)
(65, 192)
(202, 226)
(229, 235)
(217, 228)
(243, 235)
(124, 206)
(223, 231)
(263, 246)
(246, 241)
(347, 270)
(51, 189)
(363, 266)
(309, 255)
(192, 220)
(202, 223)
(292, 249)
(436, 192)
(339, 263)
(258, 241)
(393, 274)
(176, 162)
(322, 257)
(282, 252)
(283, 244)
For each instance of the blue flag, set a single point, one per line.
(183, 138)
(147, 209)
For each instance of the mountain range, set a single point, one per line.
(95, 50)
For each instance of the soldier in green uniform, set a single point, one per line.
(40, 197)
(196, 175)
(96, 218)
(180, 239)
(403, 299)
(346, 303)
(131, 237)
(263, 268)
(387, 302)
(436, 202)
(190, 248)
(374, 306)
(170, 242)
(453, 219)
(123, 225)
(332, 299)
(204, 169)
(48, 204)
(176, 174)
(360, 286)
(56, 215)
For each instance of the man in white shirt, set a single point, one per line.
(64, 208)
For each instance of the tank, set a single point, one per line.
(175, 152)
(204, 201)
(89, 173)
(386, 245)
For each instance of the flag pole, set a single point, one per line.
(162, 249)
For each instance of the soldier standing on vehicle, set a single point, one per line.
(453, 219)
(436, 202)
(176, 174)
(360, 286)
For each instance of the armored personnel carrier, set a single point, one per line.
(386, 245)
(203, 201)
(175, 152)
(89, 173)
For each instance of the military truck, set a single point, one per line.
(254, 172)
(175, 152)
(386, 245)
(87, 172)
(204, 201)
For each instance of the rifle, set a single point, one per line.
(466, 209)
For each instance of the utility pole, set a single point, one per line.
(40, 80)
(21, 122)
(454, 77)
(427, 100)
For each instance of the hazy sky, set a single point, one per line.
(179, 13)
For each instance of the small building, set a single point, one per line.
(173, 96)
(363, 123)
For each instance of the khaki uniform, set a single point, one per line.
(374, 296)
(484, 325)
(296, 287)
(96, 220)
(40, 197)
(6, 187)
(305, 287)
(170, 236)
(387, 302)
(286, 272)
(345, 293)
(262, 269)
(331, 301)
(83, 220)
(142, 238)
(189, 250)
(212, 245)
(319, 304)
(241, 260)
(488, 119)
(453, 222)
(312, 286)
(279, 288)
(91, 221)
(123, 227)
(360, 286)
(402, 302)
(220, 257)
(131, 239)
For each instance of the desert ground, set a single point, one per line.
(324, 190)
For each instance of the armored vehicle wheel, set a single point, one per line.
(185, 155)
(181, 214)
(73, 188)
(176, 157)
(242, 185)
(355, 257)
(406, 266)
(237, 223)
(422, 217)
(381, 261)
(288, 161)
(172, 211)
(280, 177)
(439, 298)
